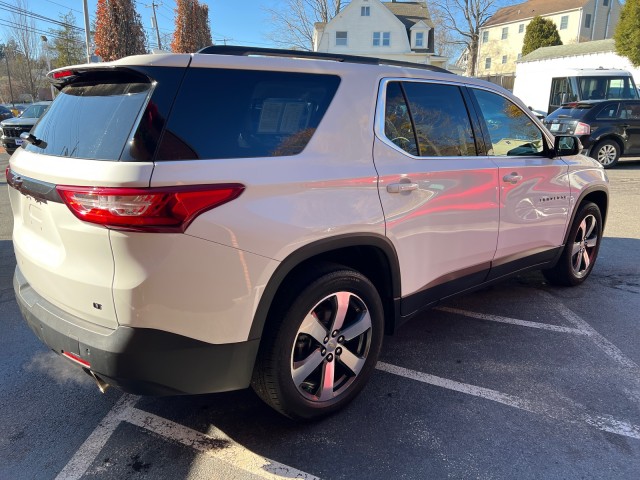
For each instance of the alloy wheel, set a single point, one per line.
(331, 346)
(584, 246)
(607, 154)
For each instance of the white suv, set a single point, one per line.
(202, 223)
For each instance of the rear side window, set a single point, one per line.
(91, 120)
(438, 114)
(610, 111)
(243, 113)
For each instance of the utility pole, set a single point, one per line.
(87, 31)
(3, 53)
(154, 22)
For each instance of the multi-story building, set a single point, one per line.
(394, 30)
(501, 38)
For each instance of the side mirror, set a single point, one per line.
(565, 146)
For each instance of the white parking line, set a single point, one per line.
(90, 449)
(512, 321)
(605, 345)
(601, 422)
(216, 445)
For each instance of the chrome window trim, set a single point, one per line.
(381, 107)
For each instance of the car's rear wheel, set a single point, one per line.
(607, 153)
(322, 345)
(581, 250)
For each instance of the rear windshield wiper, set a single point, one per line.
(33, 140)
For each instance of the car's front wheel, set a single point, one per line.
(322, 344)
(607, 153)
(581, 250)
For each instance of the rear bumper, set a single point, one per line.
(142, 361)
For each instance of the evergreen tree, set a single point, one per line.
(119, 31)
(540, 33)
(192, 30)
(627, 34)
(67, 43)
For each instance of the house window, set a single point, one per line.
(504, 59)
(419, 39)
(341, 39)
(381, 39)
(521, 28)
(564, 22)
(485, 36)
(487, 63)
(505, 33)
(587, 21)
(365, 11)
(519, 56)
(605, 3)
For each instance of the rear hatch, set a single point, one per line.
(565, 119)
(101, 131)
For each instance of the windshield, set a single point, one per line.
(34, 111)
(601, 88)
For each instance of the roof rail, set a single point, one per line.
(276, 52)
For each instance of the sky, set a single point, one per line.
(239, 22)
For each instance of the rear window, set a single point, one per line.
(244, 113)
(91, 120)
(577, 110)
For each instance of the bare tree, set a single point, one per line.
(28, 67)
(465, 18)
(293, 21)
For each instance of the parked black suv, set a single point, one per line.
(607, 129)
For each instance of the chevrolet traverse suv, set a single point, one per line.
(193, 223)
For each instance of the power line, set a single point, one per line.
(10, 24)
(36, 16)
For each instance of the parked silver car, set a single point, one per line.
(13, 127)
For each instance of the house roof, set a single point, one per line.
(531, 8)
(584, 48)
(410, 13)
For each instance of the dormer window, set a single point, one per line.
(419, 39)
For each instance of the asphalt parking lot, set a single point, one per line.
(521, 380)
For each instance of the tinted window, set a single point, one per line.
(397, 123)
(511, 131)
(441, 120)
(243, 113)
(90, 120)
(4, 110)
(631, 110)
(573, 110)
(609, 111)
(561, 91)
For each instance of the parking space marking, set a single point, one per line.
(512, 321)
(215, 444)
(572, 415)
(605, 345)
(90, 449)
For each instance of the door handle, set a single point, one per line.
(512, 178)
(401, 187)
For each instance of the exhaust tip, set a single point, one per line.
(102, 385)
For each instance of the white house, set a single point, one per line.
(393, 30)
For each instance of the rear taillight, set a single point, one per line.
(164, 209)
(582, 129)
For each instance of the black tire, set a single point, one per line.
(607, 153)
(310, 303)
(10, 151)
(580, 252)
